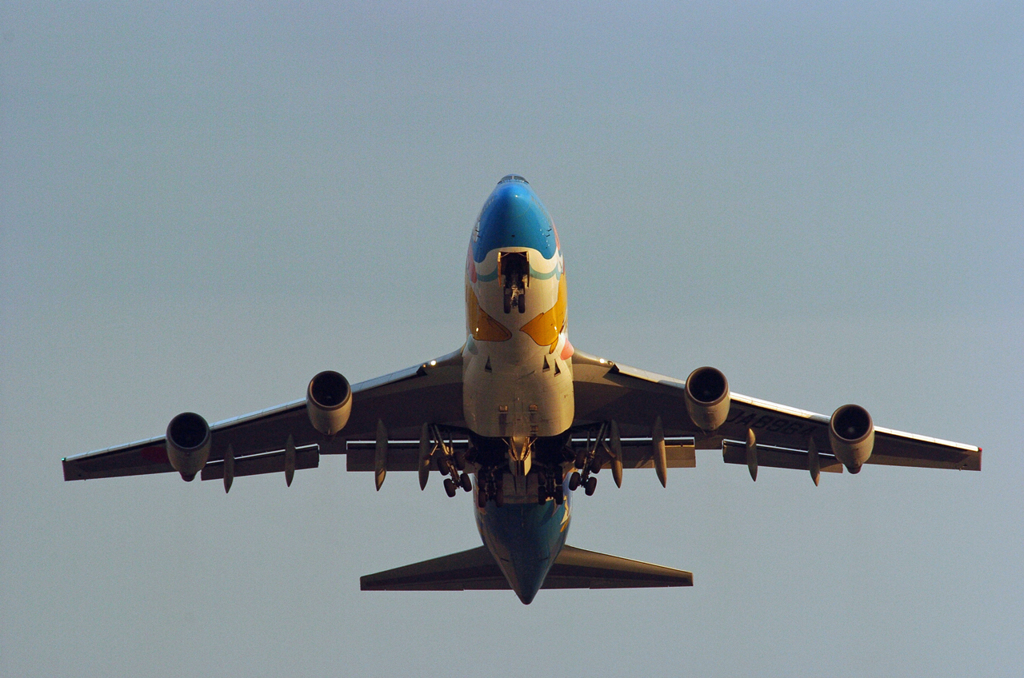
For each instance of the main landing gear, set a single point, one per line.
(452, 488)
(451, 464)
(589, 485)
(549, 487)
(488, 488)
(587, 464)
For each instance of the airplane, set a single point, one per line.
(529, 417)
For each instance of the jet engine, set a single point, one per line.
(329, 402)
(852, 436)
(707, 398)
(188, 444)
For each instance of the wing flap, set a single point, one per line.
(399, 459)
(403, 455)
(640, 453)
(272, 462)
(777, 457)
(891, 449)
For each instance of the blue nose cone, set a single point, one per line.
(513, 216)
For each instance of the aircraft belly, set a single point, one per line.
(517, 371)
(514, 400)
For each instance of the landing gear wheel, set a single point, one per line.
(481, 499)
(595, 466)
(559, 495)
(499, 498)
(574, 481)
(508, 300)
(522, 302)
(590, 486)
(449, 487)
(466, 482)
(542, 495)
(581, 460)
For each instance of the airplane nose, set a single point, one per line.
(513, 216)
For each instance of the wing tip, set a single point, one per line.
(71, 472)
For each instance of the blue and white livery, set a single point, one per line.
(521, 419)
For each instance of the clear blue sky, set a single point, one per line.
(200, 208)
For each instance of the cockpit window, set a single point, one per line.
(513, 177)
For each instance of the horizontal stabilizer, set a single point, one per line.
(470, 570)
(476, 570)
(578, 569)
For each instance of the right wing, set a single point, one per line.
(634, 398)
(431, 391)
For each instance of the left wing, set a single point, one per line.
(634, 398)
(431, 391)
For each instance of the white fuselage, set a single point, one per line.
(517, 364)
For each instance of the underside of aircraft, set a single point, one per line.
(521, 419)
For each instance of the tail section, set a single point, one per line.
(476, 570)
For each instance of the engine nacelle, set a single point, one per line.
(329, 402)
(707, 398)
(852, 435)
(188, 444)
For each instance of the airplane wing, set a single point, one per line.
(403, 400)
(634, 398)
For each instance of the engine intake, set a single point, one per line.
(329, 402)
(852, 435)
(707, 398)
(188, 444)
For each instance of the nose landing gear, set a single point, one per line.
(514, 271)
(515, 296)
(451, 464)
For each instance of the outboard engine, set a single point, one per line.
(329, 402)
(707, 398)
(188, 444)
(852, 435)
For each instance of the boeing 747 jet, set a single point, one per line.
(521, 419)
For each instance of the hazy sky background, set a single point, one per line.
(202, 207)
